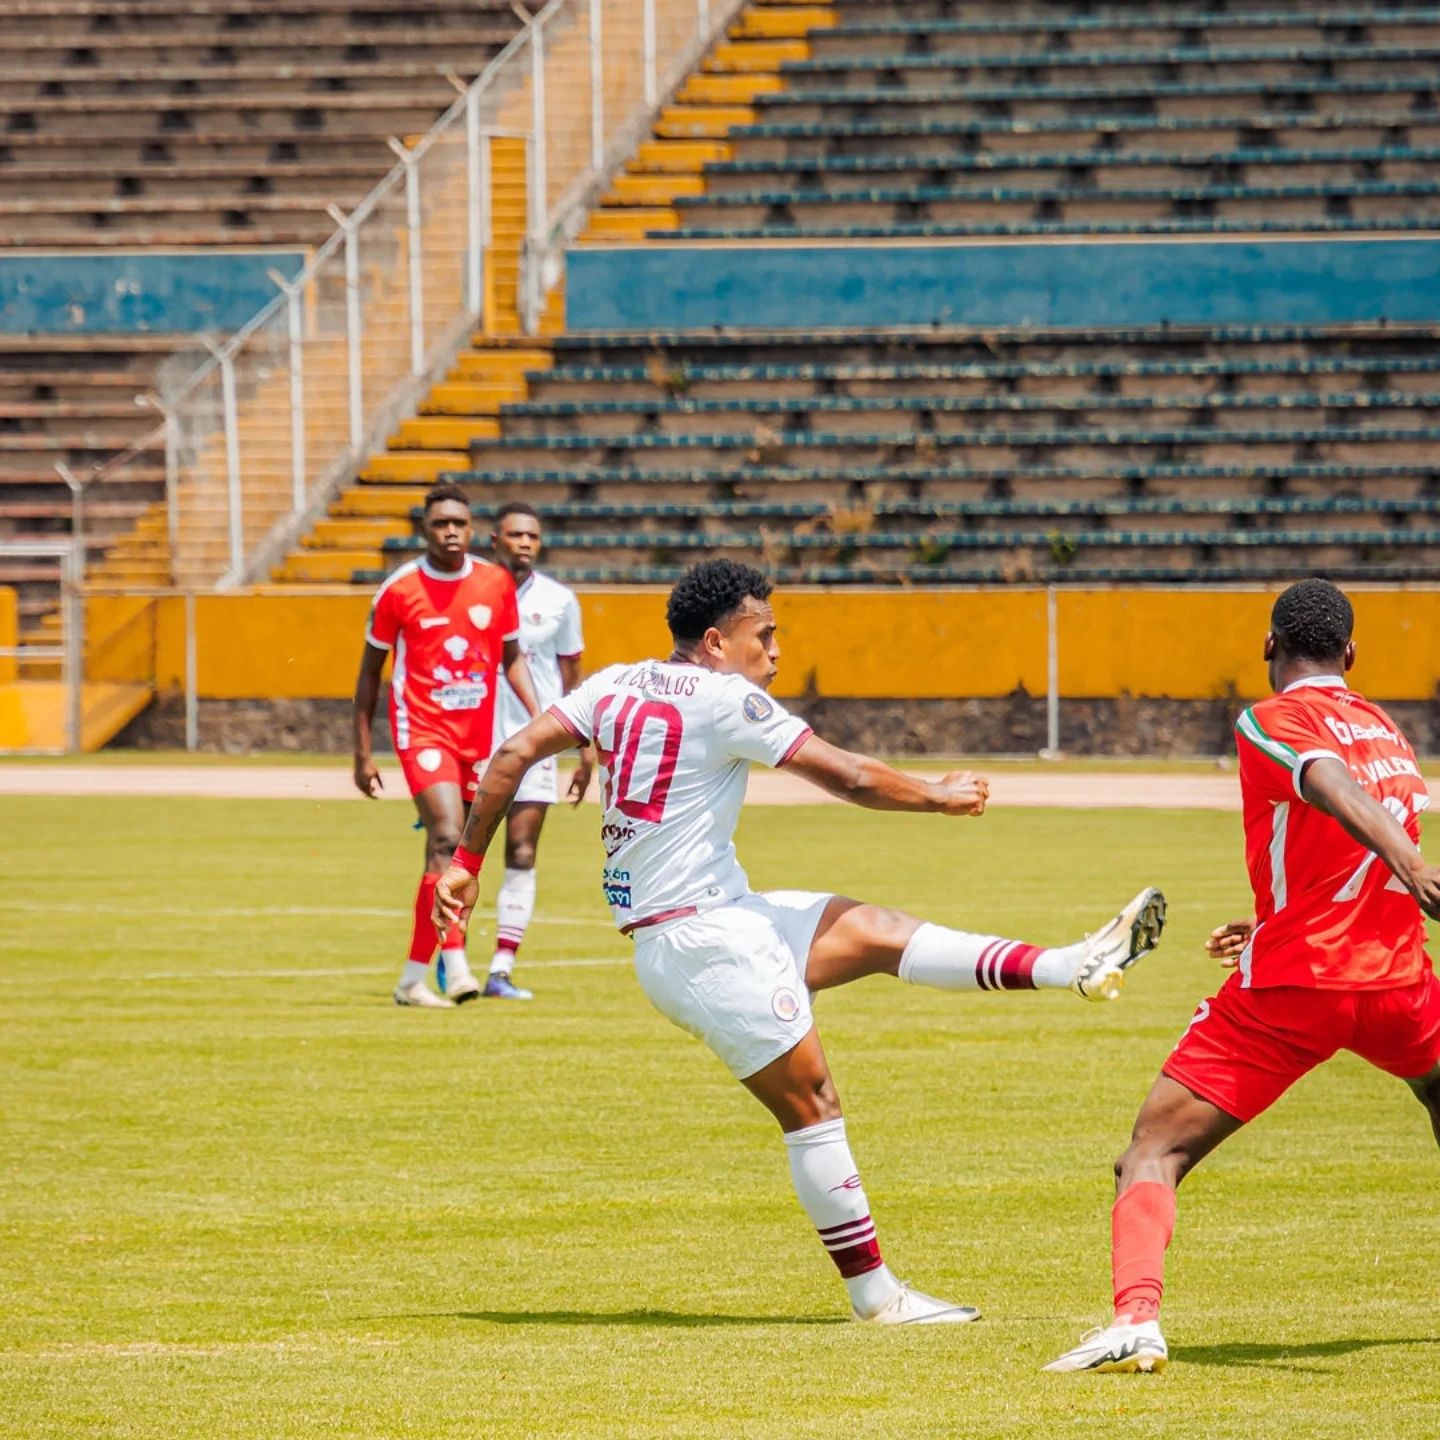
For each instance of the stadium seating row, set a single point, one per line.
(922, 434)
(143, 125)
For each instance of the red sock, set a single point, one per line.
(422, 937)
(454, 939)
(1141, 1225)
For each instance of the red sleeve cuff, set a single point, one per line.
(799, 740)
(568, 723)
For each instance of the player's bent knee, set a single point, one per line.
(440, 845)
(520, 857)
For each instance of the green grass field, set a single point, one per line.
(245, 1196)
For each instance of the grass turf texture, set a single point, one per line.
(248, 1197)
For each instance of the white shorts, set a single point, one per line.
(734, 976)
(540, 784)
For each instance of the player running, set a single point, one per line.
(551, 642)
(452, 623)
(738, 969)
(1333, 960)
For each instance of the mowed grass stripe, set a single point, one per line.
(286, 1210)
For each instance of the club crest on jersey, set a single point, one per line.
(757, 708)
(480, 616)
(785, 1005)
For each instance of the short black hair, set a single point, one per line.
(446, 490)
(709, 593)
(1312, 620)
(517, 507)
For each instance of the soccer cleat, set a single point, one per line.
(910, 1307)
(1118, 1349)
(462, 987)
(421, 996)
(1114, 948)
(500, 987)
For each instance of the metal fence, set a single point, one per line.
(467, 231)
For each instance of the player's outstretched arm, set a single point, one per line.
(1328, 785)
(455, 893)
(875, 785)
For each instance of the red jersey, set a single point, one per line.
(1330, 914)
(448, 633)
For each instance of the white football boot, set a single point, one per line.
(1116, 1349)
(461, 986)
(420, 995)
(1115, 947)
(910, 1307)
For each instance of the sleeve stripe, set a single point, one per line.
(1277, 750)
(799, 740)
(378, 644)
(568, 723)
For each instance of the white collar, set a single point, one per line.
(446, 576)
(1321, 682)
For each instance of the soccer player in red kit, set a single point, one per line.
(451, 622)
(1334, 958)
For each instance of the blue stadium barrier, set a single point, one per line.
(656, 286)
(138, 293)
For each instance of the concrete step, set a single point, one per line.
(440, 433)
(652, 189)
(678, 157)
(410, 466)
(727, 89)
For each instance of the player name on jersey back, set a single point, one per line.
(674, 743)
(1330, 914)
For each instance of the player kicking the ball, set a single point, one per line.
(737, 969)
(1333, 960)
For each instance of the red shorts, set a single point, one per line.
(434, 762)
(1245, 1048)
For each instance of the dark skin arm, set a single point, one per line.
(542, 737)
(367, 692)
(1329, 786)
(872, 784)
(580, 780)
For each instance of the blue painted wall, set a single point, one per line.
(134, 293)
(661, 287)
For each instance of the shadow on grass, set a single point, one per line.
(1274, 1357)
(640, 1318)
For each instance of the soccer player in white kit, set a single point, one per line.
(737, 969)
(551, 642)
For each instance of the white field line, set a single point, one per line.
(314, 973)
(36, 907)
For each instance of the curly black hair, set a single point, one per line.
(709, 593)
(446, 490)
(1312, 620)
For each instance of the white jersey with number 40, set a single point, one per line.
(674, 743)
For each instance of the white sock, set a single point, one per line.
(412, 972)
(828, 1185)
(957, 960)
(456, 962)
(514, 905)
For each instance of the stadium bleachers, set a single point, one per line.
(914, 120)
(930, 455)
(155, 122)
(72, 399)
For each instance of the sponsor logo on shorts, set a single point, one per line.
(756, 708)
(785, 1004)
(429, 760)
